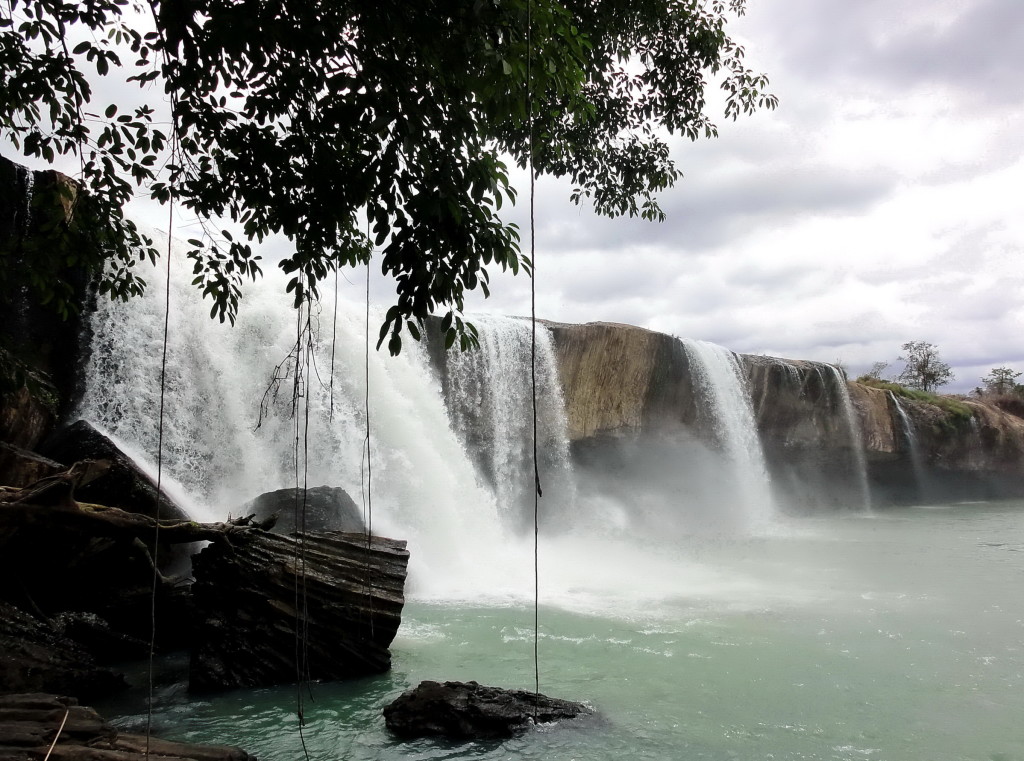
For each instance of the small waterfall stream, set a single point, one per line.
(488, 393)
(913, 446)
(718, 375)
(856, 439)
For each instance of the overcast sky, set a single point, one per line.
(882, 202)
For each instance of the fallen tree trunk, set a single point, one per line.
(112, 522)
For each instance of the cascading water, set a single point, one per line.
(717, 373)
(853, 429)
(913, 445)
(491, 405)
(425, 487)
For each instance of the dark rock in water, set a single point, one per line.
(341, 594)
(20, 467)
(34, 658)
(30, 722)
(125, 485)
(467, 710)
(327, 508)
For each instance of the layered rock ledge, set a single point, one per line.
(38, 725)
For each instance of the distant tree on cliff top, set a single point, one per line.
(1001, 381)
(924, 369)
(344, 124)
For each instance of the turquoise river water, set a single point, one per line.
(896, 635)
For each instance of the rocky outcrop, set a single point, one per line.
(36, 657)
(629, 391)
(36, 221)
(319, 508)
(125, 485)
(471, 711)
(31, 724)
(619, 380)
(335, 598)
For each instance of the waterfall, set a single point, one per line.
(425, 487)
(489, 398)
(913, 445)
(853, 431)
(717, 374)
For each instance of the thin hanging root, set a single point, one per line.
(56, 737)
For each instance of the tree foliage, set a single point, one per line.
(924, 368)
(1001, 381)
(353, 127)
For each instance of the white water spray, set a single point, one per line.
(424, 488)
(427, 487)
(717, 373)
(913, 445)
(490, 401)
(854, 432)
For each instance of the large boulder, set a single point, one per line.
(255, 598)
(471, 711)
(125, 484)
(320, 508)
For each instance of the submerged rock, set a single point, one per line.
(471, 711)
(326, 508)
(30, 722)
(259, 598)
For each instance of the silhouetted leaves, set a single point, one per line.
(347, 126)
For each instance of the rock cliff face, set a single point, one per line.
(824, 438)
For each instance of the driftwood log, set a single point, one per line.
(29, 724)
(334, 598)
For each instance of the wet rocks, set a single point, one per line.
(336, 594)
(35, 657)
(321, 508)
(30, 722)
(467, 710)
(125, 485)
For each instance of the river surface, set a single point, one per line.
(893, 635)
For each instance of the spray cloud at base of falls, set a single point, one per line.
(450, 479)
(425, 488)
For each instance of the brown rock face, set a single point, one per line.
(615, 377)
(629, 391)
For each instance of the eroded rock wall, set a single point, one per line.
(822, 435)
